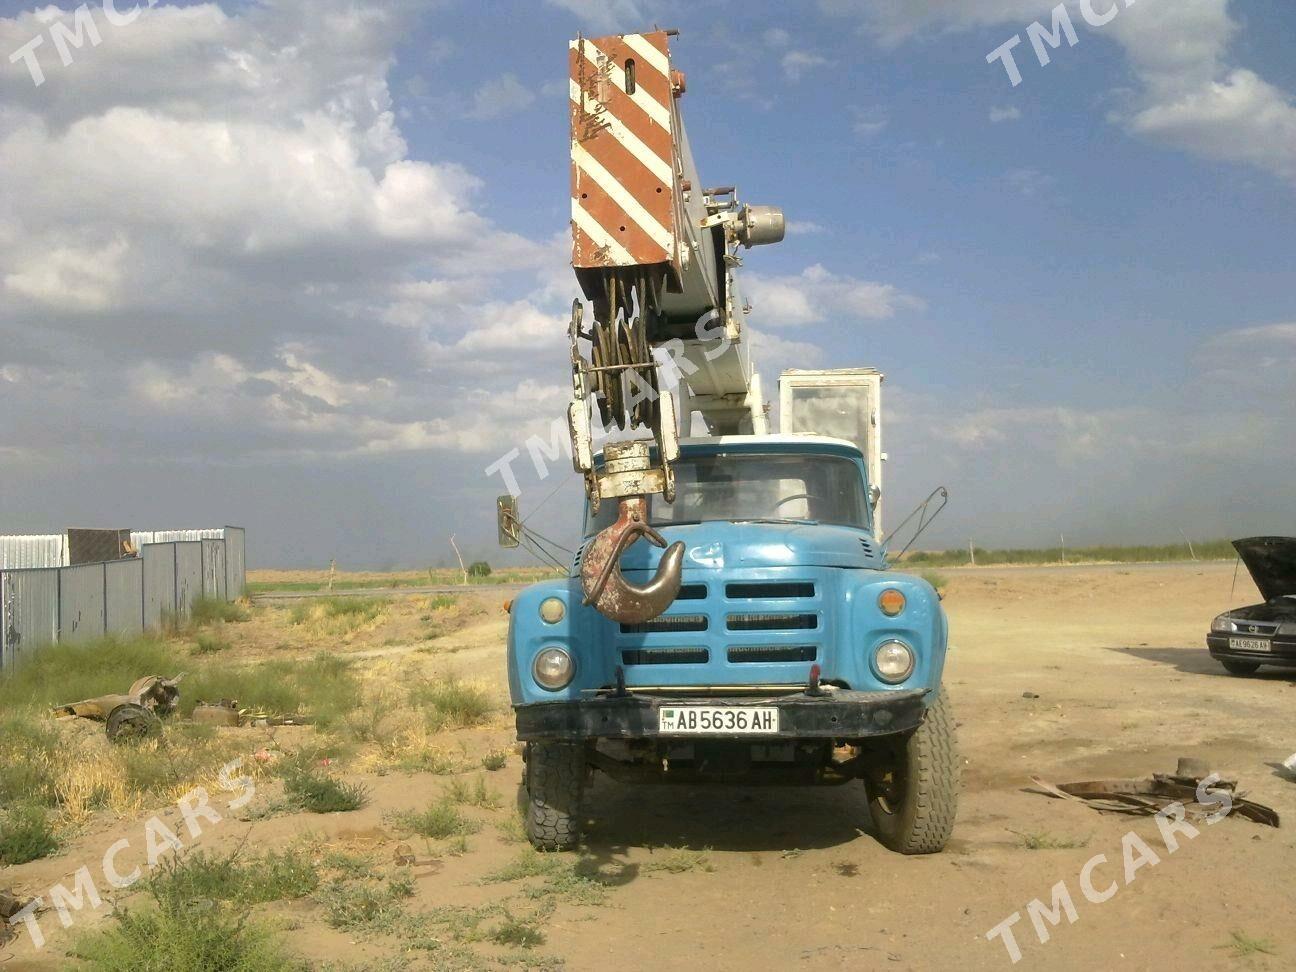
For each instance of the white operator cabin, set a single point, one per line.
(841, 404)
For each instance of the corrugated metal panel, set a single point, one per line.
(159, 561)
(124, 597)
(213, 575)
(235, 562)
(28, 613)
(19, 553)
(81, 603)
(189, 576)
(141, 537)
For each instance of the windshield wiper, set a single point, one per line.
(779, 519)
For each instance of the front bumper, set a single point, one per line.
(1283, 653)
(836, 715)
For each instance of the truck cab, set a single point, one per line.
(793, 654)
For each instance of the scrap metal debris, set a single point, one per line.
(9, 906)
(1147, 797)
(222, 713)
(133, 715)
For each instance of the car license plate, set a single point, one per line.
(715, 720)
(1250, 644)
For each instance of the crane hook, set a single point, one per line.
(601, 578)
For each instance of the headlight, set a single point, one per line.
(553, 668)
(552, 610)
(893, 661)
(891, 602)
(1221, 624)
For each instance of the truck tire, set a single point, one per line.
(555, 785)
(1239, 667)
(913, 790)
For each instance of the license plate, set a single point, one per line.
(1250, 644)
(714, 720)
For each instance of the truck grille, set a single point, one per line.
(668, 622)
(772, 622)
(782, 590)
(767, 654)
(666, 656)
(734, 631)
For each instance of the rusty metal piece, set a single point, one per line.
(601, 577)
(1147, 797)
(134, 714)
(222, 713)
(131, 721)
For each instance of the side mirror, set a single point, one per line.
(510, 527)
(875, 494)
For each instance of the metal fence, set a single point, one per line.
(43, 605)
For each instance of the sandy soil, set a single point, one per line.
(1124, 685)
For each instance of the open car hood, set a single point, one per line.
(1272, 563)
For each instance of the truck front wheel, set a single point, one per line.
(555, 786)
(913, 785)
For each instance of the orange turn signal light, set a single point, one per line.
(891, 602)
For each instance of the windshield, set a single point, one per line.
(796, 488)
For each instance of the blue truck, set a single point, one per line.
(792, 653)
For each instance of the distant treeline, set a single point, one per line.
(1202, 549)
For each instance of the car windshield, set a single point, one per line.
(791, 488)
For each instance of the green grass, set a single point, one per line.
(210, 644)
(571, 879)
(63, 673)
(176, 932)
(28, 747)
(319, 793)
(365, 907)
(1244, 946)
(1168, 553)
(275, 876)
(935, 579)
(438, 822)
(210, 610)
(452, 704)
(442, 602)
(438, 578)
(1041, 840)
(681, 861)
(476, 794)
(518, 932)
(496, 759)
(25, 835)
(354, 610)
(326, 687)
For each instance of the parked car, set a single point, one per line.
(1260, 634)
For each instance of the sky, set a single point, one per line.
(303, 265)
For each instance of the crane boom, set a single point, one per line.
(656, 255)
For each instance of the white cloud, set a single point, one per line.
(998, 115)
(610, 16)
(797, 64)
(1030, 182)
(870, 121)
(816, 295)
(1258, 362)
(500, 96)
(777, 37)
(1190, 97)
(214, 241)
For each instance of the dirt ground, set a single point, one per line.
(1066, 673)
